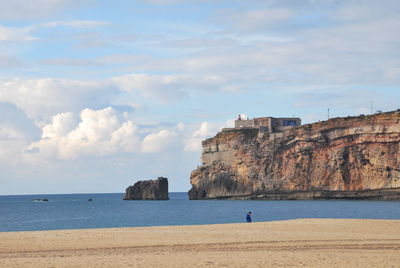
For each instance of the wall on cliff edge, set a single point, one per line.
(352, 157)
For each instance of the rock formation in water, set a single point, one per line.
(148, 190)
(40, 200)
(342, 158)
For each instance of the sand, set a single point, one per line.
(293, 243)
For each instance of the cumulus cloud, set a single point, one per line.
(193, 143)
(96, 132)
(102, 132)
(91, 132)
(204, 131)
(107, 132)
(61, 125)
(160, 141)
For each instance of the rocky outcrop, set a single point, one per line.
(148, 190)
(40, 200)
(350, 158)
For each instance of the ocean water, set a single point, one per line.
(74, 211)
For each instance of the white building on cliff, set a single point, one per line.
(267, 125)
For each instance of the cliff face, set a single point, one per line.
(148, 190)
(353, 157)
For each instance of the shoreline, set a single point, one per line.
(300, 242)
(195, 225)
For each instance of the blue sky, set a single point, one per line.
(95, 95)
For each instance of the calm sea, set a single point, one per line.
(73, 211)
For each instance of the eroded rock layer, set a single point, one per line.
(352, 157)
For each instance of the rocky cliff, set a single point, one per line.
(148, 190)
(352, 157)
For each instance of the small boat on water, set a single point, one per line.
(40, 200)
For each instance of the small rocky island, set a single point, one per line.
(148, 190)
(40, 200)
(278, 158)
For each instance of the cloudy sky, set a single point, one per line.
(97, 94)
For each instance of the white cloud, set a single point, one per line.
(106, 132)
(202, 42)
(107, 60)
(351, 10)
(22, 9)
(16, 131)
(170, 88)
(392, 73)
(254, 19)
(70, 62)
(13, 118)
(9, 133)
(14, 34)
(98, 132)
(10, 61)
(363, 52)
(12, 144)
(23, 34)
(161, 87)
(204, 131)
(60, 126)
(80, 24)
(164, 140)
(42, 98)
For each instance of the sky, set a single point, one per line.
(97, 94)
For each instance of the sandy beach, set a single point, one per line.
(293, 243)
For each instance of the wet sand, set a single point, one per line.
(294, 243)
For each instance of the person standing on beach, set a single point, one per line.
(248, 216)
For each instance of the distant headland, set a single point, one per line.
(278, 158)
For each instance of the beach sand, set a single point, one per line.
(293, 243)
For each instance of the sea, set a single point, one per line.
(75, 211)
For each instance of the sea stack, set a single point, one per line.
(278, 158)
(148, 190)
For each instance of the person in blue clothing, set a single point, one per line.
(248, 216)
